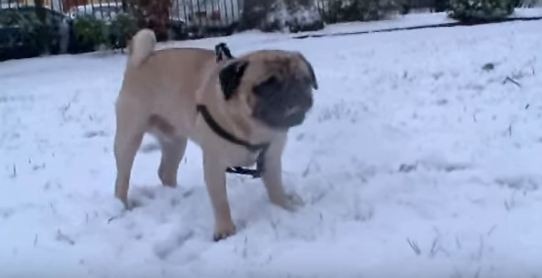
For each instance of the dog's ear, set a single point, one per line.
(311, 71)
(230, 77)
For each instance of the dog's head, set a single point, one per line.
(274, 87)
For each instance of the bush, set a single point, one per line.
(278, 15)
(23, 34)
(527, 3)
(256, 15)
(475, 11)
(22, 30)
(121, 30)
(305, 19)
(89, 32)
(275, 18)
(360, 10)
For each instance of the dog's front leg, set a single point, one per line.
(272, 177)
(215, 179)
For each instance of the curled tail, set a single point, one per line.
(141, 46)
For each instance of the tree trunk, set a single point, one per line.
(40, 12)
(154, 14)
(159, 18)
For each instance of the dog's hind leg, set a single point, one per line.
(131, 126)
(172, 153)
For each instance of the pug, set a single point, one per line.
(238, 110)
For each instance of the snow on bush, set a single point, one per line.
(276, 17)
(480, 10)
(360, 10)
(305, 18)
(294, 15)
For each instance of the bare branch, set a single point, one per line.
(511, 80)
(64, 238)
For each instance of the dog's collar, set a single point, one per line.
(225, 134)
(261, 148)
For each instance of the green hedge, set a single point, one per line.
(91, 33)
(121, 30)
(23, 34)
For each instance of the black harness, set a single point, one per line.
(261, 148)
(223, 52)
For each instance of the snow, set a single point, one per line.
(408, 20)
(396, 21)
(528, 12)
(414, 162)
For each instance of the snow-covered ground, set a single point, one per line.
(421, 158)
(409, 20)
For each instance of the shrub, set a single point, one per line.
(441, 5)
(255, 13)
(18, 30)
(304, 18)
(23, 34)
(275, 18)
(360, 10)
(474, 11)
(277, 15)
(121, 30)
(527, 3)
(89, 32)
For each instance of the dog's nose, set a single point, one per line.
(306, 102)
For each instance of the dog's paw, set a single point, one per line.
(224, 232)
(130, 204)
(295, 199)
(124, 204)
(290, 202)
(294, 202)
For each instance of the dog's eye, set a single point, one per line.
(271, 80)
(267, 87)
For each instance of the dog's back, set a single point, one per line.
(166, 80)
(148, 65)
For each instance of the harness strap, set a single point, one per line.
(262, 148)
(222, 52)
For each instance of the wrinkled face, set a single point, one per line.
(282, 103)
(276, 86)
